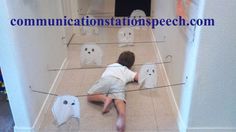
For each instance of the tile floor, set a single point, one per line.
(147, 111)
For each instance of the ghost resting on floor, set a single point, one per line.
(64, 108)
(90, 55)
(148, 76)
(138, 14)
(125, 37)
(89, 30)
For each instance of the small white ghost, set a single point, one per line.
(64, 108)
(138, 14)
(89, 30)
(125, 37)
(148, 76)
(91, 54)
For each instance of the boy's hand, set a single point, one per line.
(136, 77)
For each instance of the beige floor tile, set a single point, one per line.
(49, 124)
(143, 35)
(71, 83)
(96, 123)
(141, 123)
(139, 104)
(145, 53)
(79, 38)
(74, 56)
(163, 110)
(110, 53)
(91, 76)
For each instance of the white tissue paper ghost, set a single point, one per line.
(148, 76)
(91, 55)
(125, 37)
(89, 30)
(64, 108)
(138, 14)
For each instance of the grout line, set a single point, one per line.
(153, 99)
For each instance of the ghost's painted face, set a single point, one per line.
(91, 54)
(67, 103)
(126, 35)
(150, 72)
(89, 50)
(136, 14)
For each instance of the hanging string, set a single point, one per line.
(102, 67)
(116, 43)
(122, 91)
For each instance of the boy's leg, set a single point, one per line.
(120, 123)
(101, 98)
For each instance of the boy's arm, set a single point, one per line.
(136, 77)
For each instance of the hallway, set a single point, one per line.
(195, 66)
(148, 110)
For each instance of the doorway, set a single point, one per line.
(125, 7)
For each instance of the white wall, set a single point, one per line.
(207, 102)
(26, 55)
(213, 106)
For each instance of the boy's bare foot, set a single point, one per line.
(107, 102)
(120, 123)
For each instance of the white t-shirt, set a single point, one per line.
(119, 71)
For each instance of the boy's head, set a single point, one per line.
(127, 59)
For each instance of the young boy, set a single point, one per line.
(111, 86)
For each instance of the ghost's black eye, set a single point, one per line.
(86, 49)
(65, 102)
(73, 104)
(93, 50)
(140, 16)
(130, 33)
(153, 71)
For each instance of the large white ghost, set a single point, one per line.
(125, 36)
(138, 14)
(90, 55)
(148, 76)
(64, 108)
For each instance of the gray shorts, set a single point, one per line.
(110, 86)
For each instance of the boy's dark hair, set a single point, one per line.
(127, 59)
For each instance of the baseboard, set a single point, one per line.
(48, 99)
(175, 108)
(211, 129)
(22, 129)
